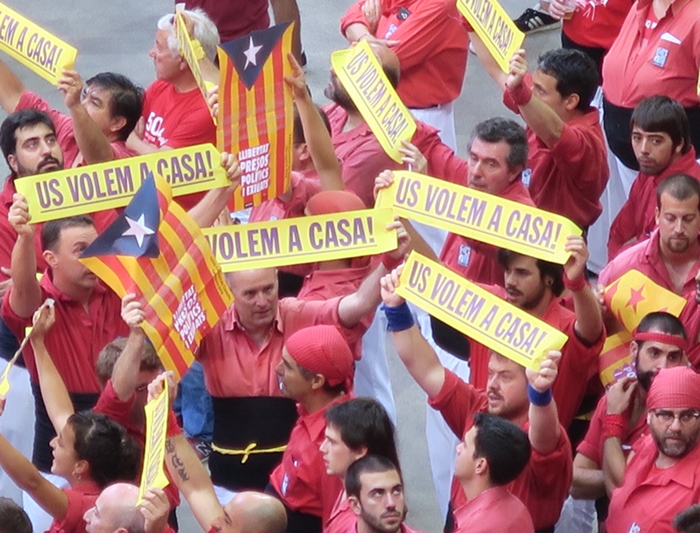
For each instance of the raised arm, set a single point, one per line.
(11, 88)
(487, 61)
(619, 397)
(545, 430)
(588, 482)
(357, 305)
(589, 318)
(25, 296)
(207, 210)
(315, 132)
(58, 403)
(125, 373)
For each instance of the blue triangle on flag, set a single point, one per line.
(135, 232)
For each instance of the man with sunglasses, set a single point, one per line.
(663, 474)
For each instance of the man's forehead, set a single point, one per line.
(379, 480)
(33, 130)
(639, 130)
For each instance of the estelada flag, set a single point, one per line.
(615, 362)
(632, 296)
(255, 122)
(156, 251)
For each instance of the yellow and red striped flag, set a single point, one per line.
(156, 251)
(255, 121)
(615, 361)
(633, 295)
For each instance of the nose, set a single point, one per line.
(260, 300)
(676, 424)
(390, 500)
(53, 442)
(644, 146)
(662, 363)
(152, 51)
(88, 515)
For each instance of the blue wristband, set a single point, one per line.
(540, 399)
(398, 318)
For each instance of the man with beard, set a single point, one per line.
(375, 494)
(658, 343)
(663, 475)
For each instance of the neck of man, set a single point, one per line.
(184, 82)
(475, 486)
(639, 406)
(681, 259)
(354, 120)
(260, 335)
(364, 527)
(335, 264)
(77, 293)
(318, 399)
(540, 308)
(664, 461)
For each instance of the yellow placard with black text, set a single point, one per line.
(479, 215)
(153, 474)
(33, 46)
(110, 185)
(362, 77)
(494, 27)
(477, 313)
(296, 241)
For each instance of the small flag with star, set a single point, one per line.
(256, 116)
(633, 296)
(156, 251)
(615, 362)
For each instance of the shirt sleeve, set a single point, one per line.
(590, 446)
(457, 401)
(353, 15)
(111, 406)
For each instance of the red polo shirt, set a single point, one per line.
(649, 496)
(568, 178)
(597, 24)
(667, 63)
(645, 257)
(80, 500)
(235, 366)
(542, 486)
(301, 479)
(577, 365)
(495, 509)
(432, 47)
(342, 518)
(592, 444)
(636, 219)
(477, 261)
(77, 336)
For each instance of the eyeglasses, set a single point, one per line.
(668, 417)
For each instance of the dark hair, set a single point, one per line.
(688, 520)
(108, 356)
(499, 129)
(299, 136)
(551, 270)
(363, 422)
(13, 519)
(661, 113)
(503, 444)
(125, 99)
(663, 322)
(104, 444)
(575, 73)
(308, 375)
(679, 187)
(23, 118)
(51, 230)
(368, 464)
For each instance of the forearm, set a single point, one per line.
(357, 305)
(58, 403)
(543, 121)
(614, 464)
(25, 297)
(210, 206)
(92, 142)
(488, 62)
(420, 360)
(589, 318)
(11, 88)
(320, 145)
(545, 430)
(125, 373)
(588, 484)
(355, 31)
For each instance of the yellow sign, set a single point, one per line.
(633, 296)
(153, 474)
(192, 51)
(364, 80)
(477, 313)
(494, 27)
(480, 216)
(615, 362)
(33, 46)
(295, 241)
(110, 185)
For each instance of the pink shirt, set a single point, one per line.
(495, 509)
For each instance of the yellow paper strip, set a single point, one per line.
(110, 185)
(477, 313)
(295, 241)
(153, 474)
(362, 77)
(33, 46)
(494, 27)
(480, 216)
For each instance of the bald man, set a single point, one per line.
(115, 510)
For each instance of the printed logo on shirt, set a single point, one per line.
(465, 252)
(650, 24)
(660, 57)
(285, 484)
(526, 176)
(155, 130)
(390, 31)
(634, 528)
(403, 14)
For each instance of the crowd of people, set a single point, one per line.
(286, 421)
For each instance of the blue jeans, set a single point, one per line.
(193, 405)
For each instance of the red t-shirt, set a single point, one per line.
(301, 478)
(597, 24)
(651, 497)
(80, 500)
(77, 336)
(432, 47)
(493, 510)
(542, 486)
(570, 177)
(637, 218)
(665, 63)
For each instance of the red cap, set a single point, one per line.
(675, 388)
(327, 202)
(322, 350)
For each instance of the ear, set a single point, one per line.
(50, 258)
(117, 123)
(656, 215)
(571, 101)
(515, 173)
(680, 146)
(81, 467)
(354, 504)
(304, 152)
(361, 453)
(649, 418)
(12, 161)
(634, 351)
(317, 382)
(482, 466)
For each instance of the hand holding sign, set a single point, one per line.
(619, 395)
(71, 85)
(413, 158)
(575, 266)
(517, 69)
(388, 286)
(297, 81)
(19, 216)
(132, 312)
(543, 379)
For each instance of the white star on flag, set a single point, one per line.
(251, 54)
(137, 229)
